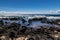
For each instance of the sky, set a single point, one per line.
(29, 6)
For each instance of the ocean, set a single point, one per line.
(42, 14)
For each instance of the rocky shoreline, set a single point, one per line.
(39, 28)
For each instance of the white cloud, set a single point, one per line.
(5, 13)
(58, 11)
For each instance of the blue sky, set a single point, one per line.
(29, 5)
(25, 5)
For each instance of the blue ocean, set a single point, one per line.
(57, 15)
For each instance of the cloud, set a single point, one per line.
(17, 13)
(58, 11)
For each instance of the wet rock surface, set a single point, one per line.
(30, 29)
